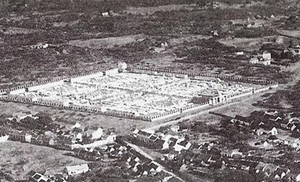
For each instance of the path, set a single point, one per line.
(138, 149)
(294, 68)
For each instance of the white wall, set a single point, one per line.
(50, 84)
(99, 74)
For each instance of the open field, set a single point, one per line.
(290, 33)
(107, 42)
(69, 117)
(248, 44)
(151, 10)
(20, 158)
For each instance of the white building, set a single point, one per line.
(298, 178)
(274, 131)
(4, 138)
(97, 134)
(181, 145)
(78, 169)
(265, 58)
(122, 66)
(260, 60)
(112, 71)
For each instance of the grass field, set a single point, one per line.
(68, 117)
(17, 159)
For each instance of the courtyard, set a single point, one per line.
(135, 94)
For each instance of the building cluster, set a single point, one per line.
(275, 133)
(91, 146)
(264, 58)
(264, 152)
(159, 141)
(144, 95)
(283, 52)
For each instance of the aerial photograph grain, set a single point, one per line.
(150, 90)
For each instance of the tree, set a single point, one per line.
(235, 176)
(44, 119)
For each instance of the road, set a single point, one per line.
(207, 110)
(295, 69)
(138, 149)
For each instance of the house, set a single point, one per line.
(77, 125)
(108, 13)
(4, 138)
(236, 153)
(150, 140)
(298, 178)
(97, 134)
(37, 177)
(105, 14)
(295, 50)
(260, 132)
(281, 173)
(259, 60)
(274, 131)
(154, 167)
(182, 144)
(264, 58)
(122, 66)
(141, 133)
(266, 145)
(78, 169)
(175, 128)
(89, 155)
(40, 46)
(267, 168)
(239, 53)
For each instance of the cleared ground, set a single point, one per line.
(151, 10)
(292, 33)
(17, 159)
(107, 42)
(248, 44)
(69, 117)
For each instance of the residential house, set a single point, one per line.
(89, 155)
(298, 178)
(37, 177)
(182, 144)
(274, 131)
(3, 138)
(175, 128)
(150, 140)
(267, 168)
(264, 58)
(280, 173)
(77, 169)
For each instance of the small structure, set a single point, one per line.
(112, 71)
(77, 125)
(40, 46)
(298, 178)
(4, 138)
(28, 138)
(107, 13)
(182, 144)
(122, 66)
(37, 177)
(78, 169)
(274, 131)
(267, 168)
(175, 128)
(97, 134)
(264, 59)
(239, 53)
